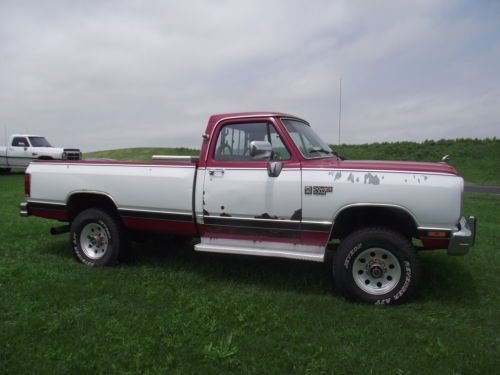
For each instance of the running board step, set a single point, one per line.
(317, 256)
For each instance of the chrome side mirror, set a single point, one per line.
(274, 168)
(261, 150)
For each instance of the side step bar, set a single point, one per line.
(317, 256)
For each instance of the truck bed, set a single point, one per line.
(149, 196)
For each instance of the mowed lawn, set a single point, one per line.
(176, 311)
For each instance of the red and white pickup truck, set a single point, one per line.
(264, 184)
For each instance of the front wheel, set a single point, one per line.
(97, 238)
(376, 265)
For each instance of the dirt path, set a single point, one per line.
(489, 189)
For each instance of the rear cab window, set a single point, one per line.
(20, 142)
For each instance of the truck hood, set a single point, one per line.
(406, 166)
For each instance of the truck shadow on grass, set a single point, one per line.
(266, 272)
(59, 247)
(443, 278)
(14, 172)
(448, 279)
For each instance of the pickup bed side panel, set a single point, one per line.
(16, 157)
(151, 197)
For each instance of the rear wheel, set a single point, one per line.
(376, 265)
(97, 238)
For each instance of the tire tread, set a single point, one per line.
(405, 248)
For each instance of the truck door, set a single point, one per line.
(39, 147)
(18, 152)
(242, 199)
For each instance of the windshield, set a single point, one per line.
(39, 142)
(306, 140)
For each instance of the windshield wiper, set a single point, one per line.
(339, 156)
(319, 149)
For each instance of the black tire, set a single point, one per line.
(105, 238)
(367, 263)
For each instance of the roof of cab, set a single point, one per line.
(220, 116)
(25, 135)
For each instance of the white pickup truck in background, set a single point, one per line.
(23, 148)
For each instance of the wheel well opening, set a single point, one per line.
(354, 218)
(82, 201)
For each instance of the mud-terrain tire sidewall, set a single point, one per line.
(382, 238)
(111, 226)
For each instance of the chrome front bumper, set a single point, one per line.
(23, 209)
(464, 237)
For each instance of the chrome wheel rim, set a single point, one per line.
(376, 271)
(94, 240)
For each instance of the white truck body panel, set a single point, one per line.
(250, 192)
(433, 200)
(130, 186)
(14, 157)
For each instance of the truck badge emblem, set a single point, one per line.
(317, 190)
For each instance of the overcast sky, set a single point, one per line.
(113, 74)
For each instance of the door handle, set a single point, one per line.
(216, 172)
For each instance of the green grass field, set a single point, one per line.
(476, 160)
(176, 311)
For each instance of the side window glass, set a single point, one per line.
(234, 141)
(279, 150)
(19, 142)
(302, 142)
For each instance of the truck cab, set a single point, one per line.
(19, 151)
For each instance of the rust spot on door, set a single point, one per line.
(265, 215)
(372, 179)
(297, 215)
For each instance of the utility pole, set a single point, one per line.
(340, 106)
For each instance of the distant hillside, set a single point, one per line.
(139, 153)
(477, 160)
